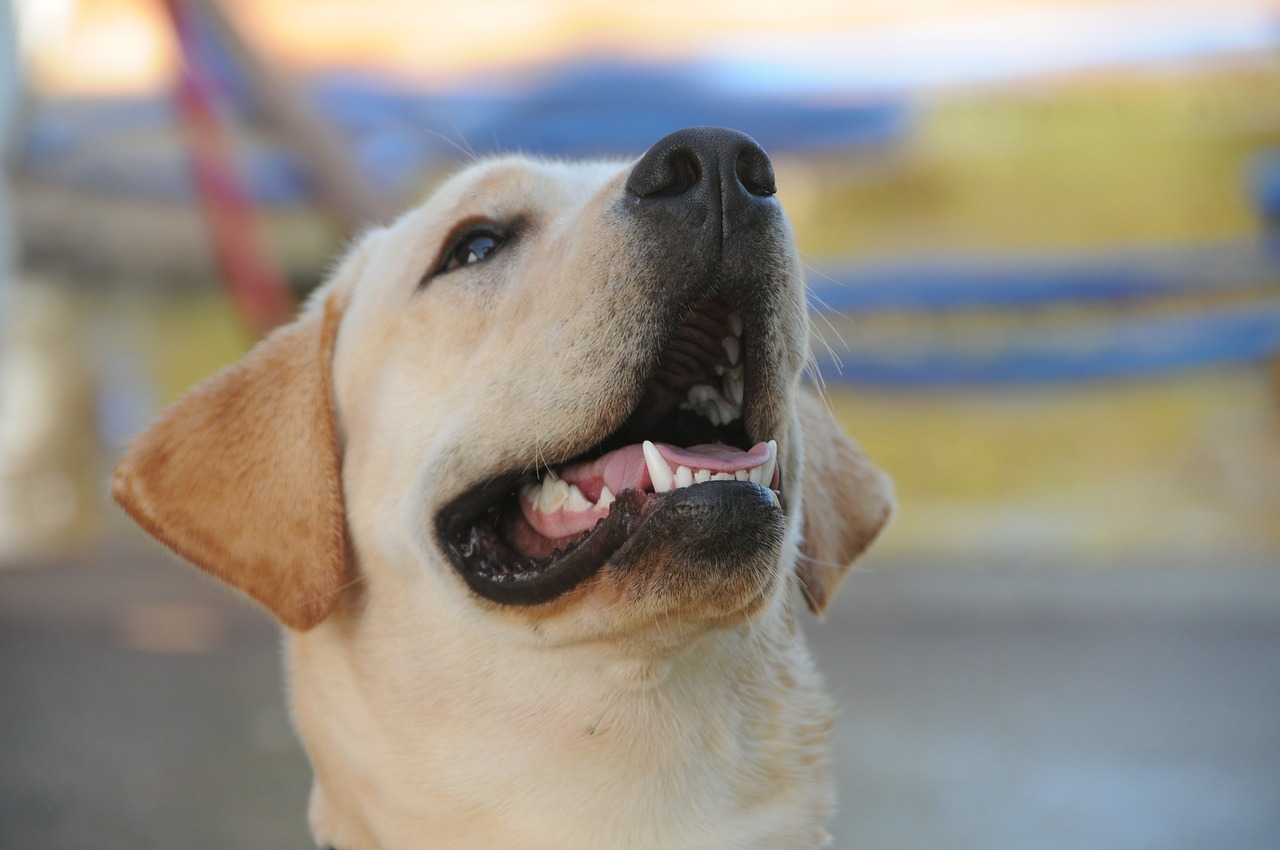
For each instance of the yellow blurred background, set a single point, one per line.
(1084, 152)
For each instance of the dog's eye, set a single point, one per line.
(472, 247)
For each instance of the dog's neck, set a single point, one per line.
(573, 748)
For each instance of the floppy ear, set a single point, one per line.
(847, 502)
(242, 475)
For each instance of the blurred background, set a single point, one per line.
(1043, 244)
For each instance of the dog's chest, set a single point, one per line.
(697, 761)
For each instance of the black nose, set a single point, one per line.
(709, 166)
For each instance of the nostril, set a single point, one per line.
(685, 173)
(755, 171)
(670, 175)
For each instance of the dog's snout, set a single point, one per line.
(708, 166)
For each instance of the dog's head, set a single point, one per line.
(566, 392)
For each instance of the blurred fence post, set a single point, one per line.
(49, 485)
(9, 93)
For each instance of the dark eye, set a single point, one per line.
(472, 247)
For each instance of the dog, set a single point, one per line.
(534, 486)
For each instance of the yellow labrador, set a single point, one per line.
(534, 487)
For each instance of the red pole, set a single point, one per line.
(254, 281)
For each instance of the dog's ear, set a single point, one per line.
(242, 475)
(847, 502)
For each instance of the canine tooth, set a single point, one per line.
(722, 476)
(719, 367)
(742, 475)
(684, 477)
(732, 347)
(576, 501)
(735, 323)
(767, 468)
(659, 472)
(777, 503)
(701, 476)
(606, 498)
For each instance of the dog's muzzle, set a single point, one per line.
(697, 440)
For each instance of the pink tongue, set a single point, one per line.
(625, 469)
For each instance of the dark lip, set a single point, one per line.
(560, 574)
(477, 510)
(631, 513)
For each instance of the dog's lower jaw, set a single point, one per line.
(586, 756)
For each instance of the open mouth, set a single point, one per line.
(528, 537)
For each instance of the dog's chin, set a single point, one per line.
(679, 504)
(708, 553)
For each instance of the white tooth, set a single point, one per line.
(684, 477)
(754, 474)
(734, 385)
(606, 498)
(659, 472)
(701, 393)
(530, 492)
(719, 369)
(701, 476)
(735, 323)
(710, 402)
(732, 347)
(554, 494)
(767, 468)
(741, 475)
(576, 501)
(776, 502)
(722, 476)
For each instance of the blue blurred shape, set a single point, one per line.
(1122, 347)
(1266, 186)
(576, 109)
(600, 108)
(1029, 280)
(1165, 320)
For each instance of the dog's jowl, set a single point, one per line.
(534, 487)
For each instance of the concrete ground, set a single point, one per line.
(1052, 705)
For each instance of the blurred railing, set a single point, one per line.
(1045, 319)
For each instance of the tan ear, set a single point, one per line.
(242, 475)
(847, 502)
